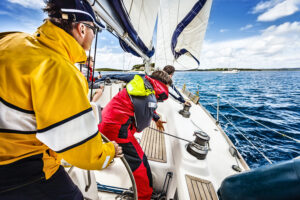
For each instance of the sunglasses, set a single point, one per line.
(94, 28)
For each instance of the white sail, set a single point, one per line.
(133, 22)
(143, 15)
(180, 32)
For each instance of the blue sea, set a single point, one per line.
(271, 98)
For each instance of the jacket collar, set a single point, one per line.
(61, 42)
(161, 90)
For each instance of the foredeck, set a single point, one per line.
(153, 144)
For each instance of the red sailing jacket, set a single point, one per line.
(120, 108)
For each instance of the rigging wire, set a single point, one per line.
(176, 25)
(123, 61)
(138, 29)
(129, 62)
(163, 32)
(247, 116)
(95, 53)
(240, 132)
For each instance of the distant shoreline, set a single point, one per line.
(249, 69)
(215, 69)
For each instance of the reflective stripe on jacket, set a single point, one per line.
(44, 106)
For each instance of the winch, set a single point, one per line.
(201, 137)
(199, 148)
(185, 111)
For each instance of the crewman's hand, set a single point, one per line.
(98, 94)
(159, 125)
(118, 150)
(187, 103)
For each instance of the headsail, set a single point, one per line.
(180, 33)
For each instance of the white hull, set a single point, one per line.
(231, 71)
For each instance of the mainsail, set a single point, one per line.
(181, 29)
(133, 21)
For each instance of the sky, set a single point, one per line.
(240, 34)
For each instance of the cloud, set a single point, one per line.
(107, 58)
(275, 47)
(34, 4)
(4, 13)
(263, 6)
(246, 27)
(275, 9)
(223, 30)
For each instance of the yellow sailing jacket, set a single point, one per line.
(44, 109)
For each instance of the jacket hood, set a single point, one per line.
(60, 41)
(161, 90)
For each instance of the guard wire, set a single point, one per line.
(240, 132)
(247, 116)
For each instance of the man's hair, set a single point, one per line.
(169, 69)
(162, 77)
(90, 58)
(52, 10)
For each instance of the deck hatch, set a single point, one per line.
(153, 144)
(200, 189)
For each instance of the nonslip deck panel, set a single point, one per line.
(200, 189)
(153, 144)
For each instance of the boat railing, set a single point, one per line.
(248, 117)
(256, 147)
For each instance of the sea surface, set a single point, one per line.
(271, 98)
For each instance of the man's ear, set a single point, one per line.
(80, 28)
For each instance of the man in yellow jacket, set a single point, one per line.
(45, 114)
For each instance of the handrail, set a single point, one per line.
(284, 135)
(242, 134)
(247, 116)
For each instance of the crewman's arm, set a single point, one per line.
(65, 119)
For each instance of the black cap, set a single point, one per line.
(76, 11)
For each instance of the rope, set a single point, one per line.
(171, 135)
(240, 132)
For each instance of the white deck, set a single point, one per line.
(216, 166)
